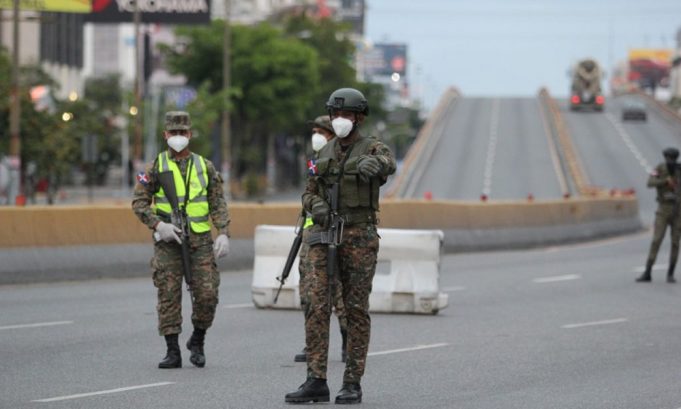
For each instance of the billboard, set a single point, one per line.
(650, 67)
(66, 6)
(152, 11)
(385, 60)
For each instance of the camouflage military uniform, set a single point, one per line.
(664, 216)
(167, 261)
(356, 258)
(304, 268)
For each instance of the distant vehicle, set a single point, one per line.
(585, 92)
(633, 109)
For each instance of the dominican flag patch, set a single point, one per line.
(143, 178)
(312, 167)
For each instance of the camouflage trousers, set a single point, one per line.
(356, 267)
(665, 217)
(168, 279)
(305, 268)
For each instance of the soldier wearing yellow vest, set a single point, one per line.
(199, 190)
(322, 132)
(361, 165)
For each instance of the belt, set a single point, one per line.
(359, 218)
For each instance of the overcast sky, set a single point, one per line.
(512, 47)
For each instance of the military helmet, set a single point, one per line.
(347, 99)
(323, 122)
(178, 121)
(671, 153)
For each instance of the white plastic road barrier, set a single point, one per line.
(406, 279)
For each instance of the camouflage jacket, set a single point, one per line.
(660, 180)
(144, 195)
(376, 148)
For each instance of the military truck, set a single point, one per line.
(585, 92)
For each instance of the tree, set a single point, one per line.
(274, 78)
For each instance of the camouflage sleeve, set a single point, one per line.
(311, 193)
(656, 179)
(143, 197)
(217, 204)
(385, 157)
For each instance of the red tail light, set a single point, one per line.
(600, 100)
(575, 99)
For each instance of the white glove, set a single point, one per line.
(221, 246)
(168, 232)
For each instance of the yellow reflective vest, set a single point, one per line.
(197, 202)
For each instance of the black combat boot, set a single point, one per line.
(670, 274)
(645, 277)
(313, 390)
(349, 394)
(301, 356)
(344, 353)
(173, 358)
(195, 345)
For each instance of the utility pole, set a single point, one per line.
(226, 79)
(15, 114)
(138, 109)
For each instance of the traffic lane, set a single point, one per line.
(652, 137)
(523, 164)
(455, 170)
(503, 332)
(528, 356)
(607, 160)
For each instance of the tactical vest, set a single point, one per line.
(358, 199)
(665, 193)
(197, 203)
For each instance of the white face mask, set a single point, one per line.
(178, 142)
(342, 127)
(318, 141)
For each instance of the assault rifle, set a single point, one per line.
(292, 254)
(333, 237)
(178, 217)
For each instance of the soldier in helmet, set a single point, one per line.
(665, 178)
(199, 189)
(360, 165)
(322, 132)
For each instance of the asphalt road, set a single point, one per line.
(619, 154)
(498, 147)
(554, 328)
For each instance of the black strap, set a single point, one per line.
(186, 180)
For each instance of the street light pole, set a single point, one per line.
(137, 147)
(15, 114)
(226, 79)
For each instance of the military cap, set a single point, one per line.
(671, 153)
(178, 121)
(323, 122)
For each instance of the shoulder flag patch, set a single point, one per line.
(142, 178)
(312, 167)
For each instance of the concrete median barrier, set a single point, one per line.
(57, 243)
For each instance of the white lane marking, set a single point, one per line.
(416, 348)
(491, 149)
(37, 324)
(453, 288)
(629, 142)
(84, 395)
(230, 306)
(562, 180)
(656, 267)
(554, 279)
(594, 323)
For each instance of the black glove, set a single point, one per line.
(320, 212)
(368, 167)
